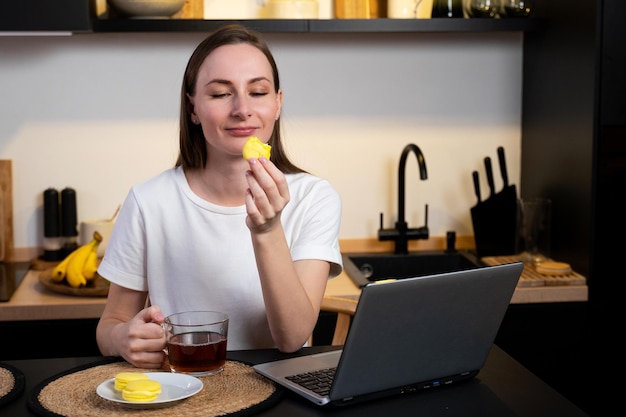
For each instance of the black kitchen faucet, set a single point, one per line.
(402, 233)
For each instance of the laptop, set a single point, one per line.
(407, 335)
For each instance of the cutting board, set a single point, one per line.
(6, 211)
(531, 278)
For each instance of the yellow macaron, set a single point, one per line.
(553, 268)
(141, 390)
(254, 148)
(123, 378)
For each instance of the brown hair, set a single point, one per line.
(193, 151)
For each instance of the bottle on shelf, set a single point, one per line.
(447, 8)
(483, 8)
(516, 8)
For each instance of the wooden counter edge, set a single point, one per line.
(463, 242)
(342, 286)
(33, 302)
(550, 294)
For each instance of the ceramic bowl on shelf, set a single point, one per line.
(146, 8)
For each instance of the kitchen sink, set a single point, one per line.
(364, 268)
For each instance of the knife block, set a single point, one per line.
(495, 227)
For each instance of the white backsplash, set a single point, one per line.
(99, 112)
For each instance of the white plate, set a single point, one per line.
(174, 388)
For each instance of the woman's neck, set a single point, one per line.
(223, 185)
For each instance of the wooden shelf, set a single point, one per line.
(321, 25)
(80, 17)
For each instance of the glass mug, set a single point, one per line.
(533, 240)
(196, 342)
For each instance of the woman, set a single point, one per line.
(255, 239)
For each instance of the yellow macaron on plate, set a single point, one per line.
(174, 388)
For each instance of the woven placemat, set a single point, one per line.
(236, 391)
(11, 383)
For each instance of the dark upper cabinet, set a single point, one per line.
(46, 15)
(613, 64)
(574, 133)
(558, 123)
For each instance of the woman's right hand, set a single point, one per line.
(141, 340)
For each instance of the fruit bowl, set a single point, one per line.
(98, 287)
(146, 8)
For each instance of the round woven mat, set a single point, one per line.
(236, 391)
(11, 383)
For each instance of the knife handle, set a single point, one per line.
(476, 185)
(502, 161)
(492, 185)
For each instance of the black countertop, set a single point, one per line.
(502, 388)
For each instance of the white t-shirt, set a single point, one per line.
(190, 254)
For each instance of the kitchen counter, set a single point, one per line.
(31, 301)
(342, 286)
(530, 289)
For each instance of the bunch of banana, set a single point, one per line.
(80, 266)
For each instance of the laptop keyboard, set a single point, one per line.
(317, 381)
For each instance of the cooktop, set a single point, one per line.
(11, 275)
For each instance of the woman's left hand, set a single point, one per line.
(267, 195)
